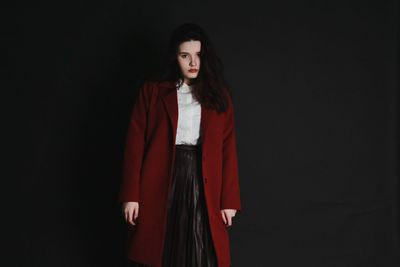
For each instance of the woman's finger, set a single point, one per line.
(223, 216)
(229, 220)
(131, 217)
(136, 211)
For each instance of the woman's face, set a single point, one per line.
(189, 59)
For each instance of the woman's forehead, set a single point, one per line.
(190, 46)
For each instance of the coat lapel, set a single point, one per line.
(170, 100)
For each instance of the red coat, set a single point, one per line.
(148, 166)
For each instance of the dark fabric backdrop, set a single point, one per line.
(315, 92)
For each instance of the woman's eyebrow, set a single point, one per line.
(187, 52)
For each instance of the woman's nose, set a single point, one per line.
(193, 62)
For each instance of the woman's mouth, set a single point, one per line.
(193, 70)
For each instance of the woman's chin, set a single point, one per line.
(191, 75)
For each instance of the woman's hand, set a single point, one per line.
(131, 211)
(227, 215)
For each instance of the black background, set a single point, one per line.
(315, 92)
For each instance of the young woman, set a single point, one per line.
(180, 189)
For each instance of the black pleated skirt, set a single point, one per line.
(188, 241)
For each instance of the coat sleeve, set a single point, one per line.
(230, 195)
(134, 147)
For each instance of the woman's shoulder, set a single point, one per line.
(154, 89)
(160, 84)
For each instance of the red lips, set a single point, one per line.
(193, 70)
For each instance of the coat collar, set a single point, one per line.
(170, 100)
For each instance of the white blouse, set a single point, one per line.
(189, 116)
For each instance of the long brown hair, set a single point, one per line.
(209, 87)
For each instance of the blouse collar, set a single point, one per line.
(184, 88)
